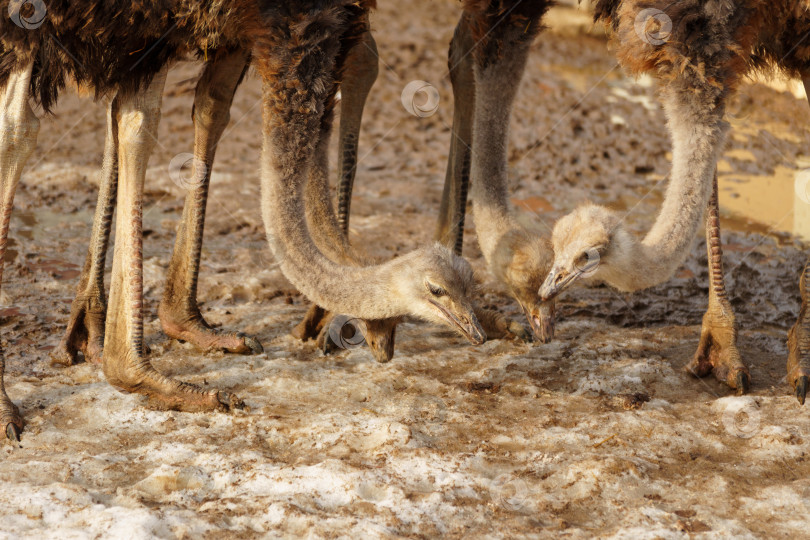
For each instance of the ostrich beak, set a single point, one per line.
(541, 320)
(557, 281)
(464, 321)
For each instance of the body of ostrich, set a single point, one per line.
(298, 48)
(699, 51)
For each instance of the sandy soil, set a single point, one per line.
(599, 433)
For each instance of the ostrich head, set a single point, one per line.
(435, 285)
(590, 244)
(380, 336)
(522, 261)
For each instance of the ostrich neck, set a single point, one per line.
(321, 218)
(698, 134)
(364, 292)
(496, 87)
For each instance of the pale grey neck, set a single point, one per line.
(321, 217)
(495, 88)
(366, 292)
(698, 136)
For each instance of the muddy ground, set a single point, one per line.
(507, 439)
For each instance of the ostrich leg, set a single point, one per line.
(453, 209)
(124, 362)
(717, 350)
(20, 127)
(85, 329)
(361, 69)
(179, 313)
(798, 364)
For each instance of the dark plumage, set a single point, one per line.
(122, 49)
(120, 45)
(712, 42)
(495, 24)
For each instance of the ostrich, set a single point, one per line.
(178, 312)
(298, 47)
(712, 44)
(486, 59)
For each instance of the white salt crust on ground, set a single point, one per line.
(503, 440)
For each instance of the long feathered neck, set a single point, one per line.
(698, 136)
(496, 87)
(364, 292)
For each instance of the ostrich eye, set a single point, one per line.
(435, 290)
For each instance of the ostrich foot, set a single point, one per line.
(10, 419)
(498, 326)
(136, 375)
(312, 324)
(798, 364)
(341, 332)
(84, 332)
(193, 328)
(717, 353)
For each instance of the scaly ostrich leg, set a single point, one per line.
(798, 364)
(717, 351)
(453, 209)
(85, 329)
(124, 363)
(359, 75)
(20, 127)
(179, 313)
